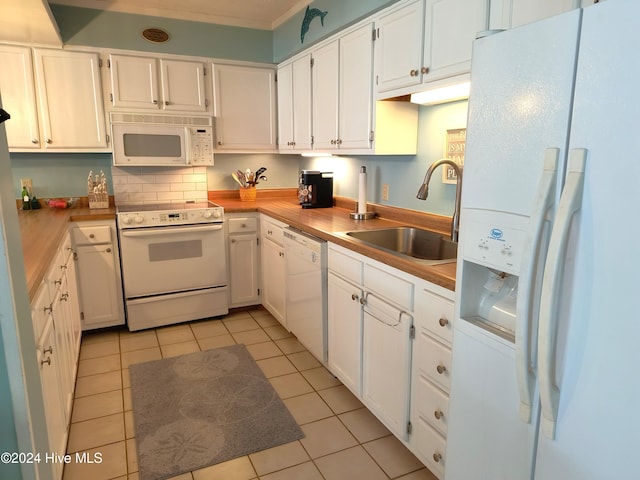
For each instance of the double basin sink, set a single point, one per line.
(423, 246)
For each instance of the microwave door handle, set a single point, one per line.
(153, 232)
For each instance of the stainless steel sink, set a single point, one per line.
(416, 243)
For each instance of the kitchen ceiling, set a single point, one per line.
(259, 14)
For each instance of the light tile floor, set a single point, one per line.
(343, 440)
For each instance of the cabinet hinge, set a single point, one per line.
(99, 63)
(275, 77)
(372, 136)
(312, 140)
(81, 315)
(375, 33)
(206, 103)
(257, 240)
(204, 71)
(111, 97)
(258, 292)
(311, 61)
(412, 332)
(108, 138)
(409, 428)
(109, 63)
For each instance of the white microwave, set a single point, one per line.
(141, 140)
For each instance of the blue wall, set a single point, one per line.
(340, 13)
(96, 28)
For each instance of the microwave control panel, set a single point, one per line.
(201, 146)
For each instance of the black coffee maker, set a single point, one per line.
(315, 189)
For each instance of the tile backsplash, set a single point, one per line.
(140, 185)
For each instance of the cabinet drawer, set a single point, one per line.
(394, 288)
(272, 231)
(435, 361)
(243, 225)
(435, 313)
(92, 235)
(345, 266)
(431, 448)
(432, 404)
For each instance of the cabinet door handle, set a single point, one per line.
(48, 350)
(354, 297)
(108, 250)
(424, 70)
(155, 102)
(233, 240)
(167, 103)
(49, 141)
(438, 414)
(34, 141)
(47, 361)
(91, 235)
(437, 457)
(443, 322)
(441, 369)
(413, 72)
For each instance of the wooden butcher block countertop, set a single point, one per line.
(42, 230)
(325, 223)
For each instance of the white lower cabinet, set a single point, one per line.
(389, 342)
(56, 324)
(344, 327)
(244, 261)
(99, 278)
(273, 267)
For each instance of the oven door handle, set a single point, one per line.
(153, 232)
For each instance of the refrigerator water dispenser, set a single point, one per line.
(491, 302)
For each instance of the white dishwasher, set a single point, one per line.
(306, 290)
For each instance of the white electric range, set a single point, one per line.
(174, 264)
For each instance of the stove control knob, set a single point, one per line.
(216, 214)
(126, 220)
(138, 219)
(207, 214)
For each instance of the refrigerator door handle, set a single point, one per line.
(570, 203)
(544, 201)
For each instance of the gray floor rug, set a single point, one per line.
(200, 409)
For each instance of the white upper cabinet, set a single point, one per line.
(342, 92)
(18, 97)
(54, 98)
(425, 41)
(513, 13)
(399, 36)
(451, 27)
(146, 83)
(70, 100)
(244, 108)
(294, 105)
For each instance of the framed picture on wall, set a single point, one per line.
(454, 150)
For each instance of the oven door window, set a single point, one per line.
(172, 259)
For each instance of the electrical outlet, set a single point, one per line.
(26, 182)
(385, 192)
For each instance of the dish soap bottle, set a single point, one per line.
(26, 202)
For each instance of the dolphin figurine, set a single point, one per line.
(309, 15)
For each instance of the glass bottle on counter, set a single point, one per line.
(26, 202)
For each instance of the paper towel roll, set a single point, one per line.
(362, 191)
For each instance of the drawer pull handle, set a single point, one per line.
(108, 250)
(91, 235)
(48, 350)
(443, 322)
(354, 297)
(47, 361)
(437, 457)
(438, 414)
(441, 369)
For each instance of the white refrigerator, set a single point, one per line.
(546, 346)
